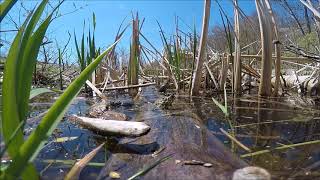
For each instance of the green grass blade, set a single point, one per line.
(30, 149)
(88, 61)
(32, 24)
(5, 7)
(9, 141)
(10, 109)
(93, 47)
(90, 45)
(222, 108)
(176, 60)
(13, 136)
(28, 63)
(26, 38)
(149, 167)
(65, 139)
(83, 53)
(94, 21)
(38, 91)
(167, 46)
(80, 58)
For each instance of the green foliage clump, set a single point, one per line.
(308, 42)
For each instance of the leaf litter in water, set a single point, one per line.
(114, 175)
(65, 139)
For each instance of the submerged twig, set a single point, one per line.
(77, 168)
(279, 148)
(235, 140)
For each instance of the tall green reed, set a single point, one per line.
(174, 53)
(87, 51)
(87, 54)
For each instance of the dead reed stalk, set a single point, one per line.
(133, 67)
(237, 56)
(266, 44)
(224, 70)
(277, 50)
(195, 86)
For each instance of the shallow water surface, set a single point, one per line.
(260, 125)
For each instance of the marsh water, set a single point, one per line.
(259, 124)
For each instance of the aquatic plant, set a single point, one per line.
(223, 108)
(5, 7)
(19, 67)
(170, 58)
(87, 54)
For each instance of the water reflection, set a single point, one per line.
(278, 118)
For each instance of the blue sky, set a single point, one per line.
(109, 15)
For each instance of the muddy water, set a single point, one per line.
(259, 125)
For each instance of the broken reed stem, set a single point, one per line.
(211, 75)
(237, 60)
(195, 86)
(129, 86)
(96, 90)
(279, 148)
(235, 140)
